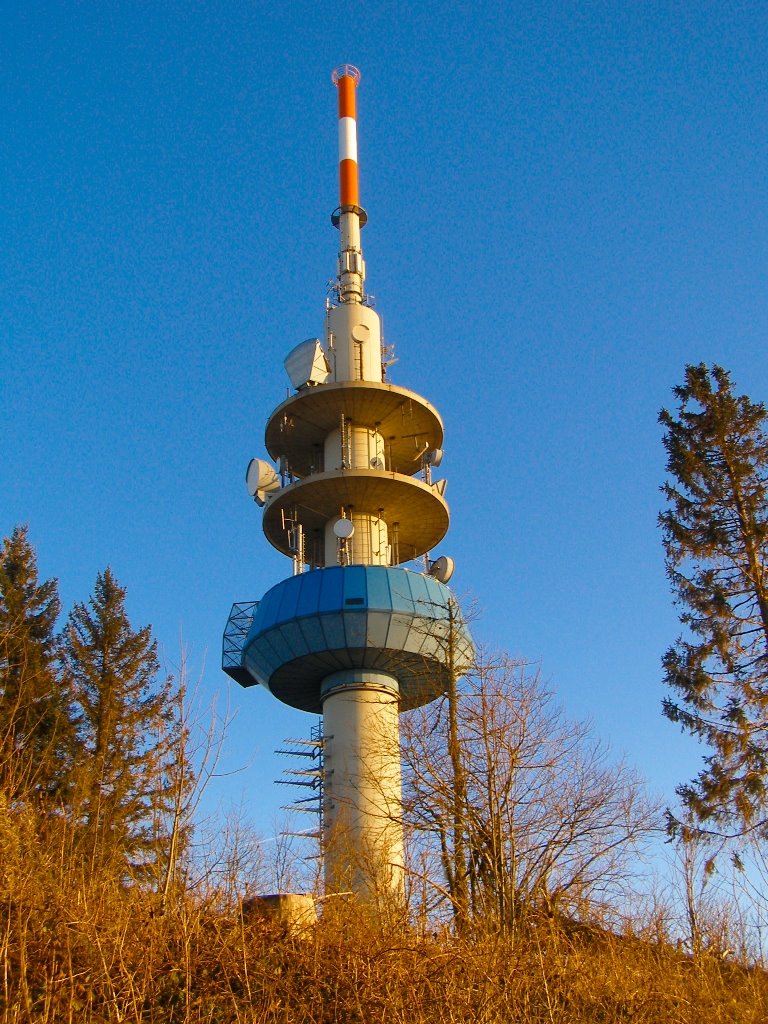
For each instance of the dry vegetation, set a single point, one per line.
(83, 948)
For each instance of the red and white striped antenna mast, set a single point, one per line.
(349, 217)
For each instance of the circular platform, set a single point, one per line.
(382, 619)
(297, 428)
(420, 511)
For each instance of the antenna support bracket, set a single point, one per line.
(340, 210)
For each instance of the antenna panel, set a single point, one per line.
(306, 364)
(261, 480)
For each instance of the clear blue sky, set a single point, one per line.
(567, 202)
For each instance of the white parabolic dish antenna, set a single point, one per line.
(261, 480)
(259, 476)
(442, 568)
(344, 528)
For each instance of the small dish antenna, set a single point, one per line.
(344, 528)
(442, 568)
(261, 480)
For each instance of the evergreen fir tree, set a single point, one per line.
(716, 540)
(126, 730)
(35, 728)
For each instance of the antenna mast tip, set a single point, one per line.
(346, 71)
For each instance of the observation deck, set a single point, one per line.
(376, 618)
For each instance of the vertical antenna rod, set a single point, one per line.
(349, 217)
(346, 79)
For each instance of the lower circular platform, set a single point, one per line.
(419, 509)
(372, 618)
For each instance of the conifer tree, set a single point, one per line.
(125, 729)
(35, 728)
(715, 532)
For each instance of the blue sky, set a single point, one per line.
(567, 203)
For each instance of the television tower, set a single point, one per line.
(352, 634)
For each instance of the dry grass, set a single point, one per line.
(80, 948)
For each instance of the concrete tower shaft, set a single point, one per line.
(355, 637)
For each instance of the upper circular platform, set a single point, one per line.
(420, 512)
(408, 423)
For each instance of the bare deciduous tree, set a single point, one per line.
(544, 816)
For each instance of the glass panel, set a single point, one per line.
(279, 645)
(355, 629)
(294, 638)
(331, 589)
(263, 654)
(313, 632)
(333, 628)
(400, 591)
(399, 628)
(266, 613)
(289, 599)
(309, 592)
(378, 588)
(257, 665)
(421, 595)
(354, 582)
(438, 596)
(378, 626)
